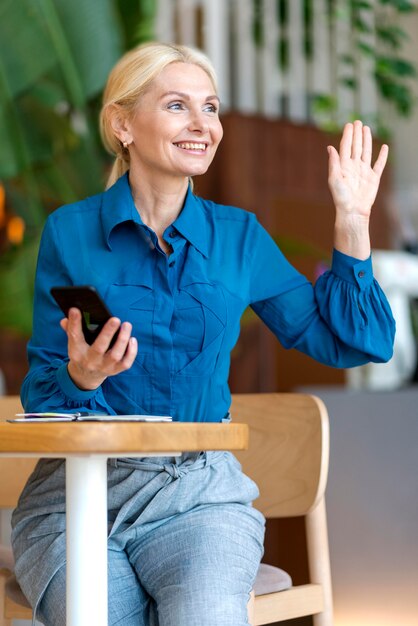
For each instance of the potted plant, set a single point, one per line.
(54, 60)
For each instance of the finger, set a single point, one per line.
(379, 166)
(357, 145)
(102, 341)
(366, 154)
(334, 167)
(130, 354)
(117, 352)
(74, 328)
(64, 324)
(346, 141)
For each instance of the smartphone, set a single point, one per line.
(94, 312)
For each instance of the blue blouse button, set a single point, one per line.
(361, 274)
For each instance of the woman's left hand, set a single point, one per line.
(353, 181)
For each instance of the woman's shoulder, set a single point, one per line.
(224, 212)
(88, 205)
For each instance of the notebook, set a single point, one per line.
(87, 417)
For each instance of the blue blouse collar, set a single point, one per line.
(118, 207)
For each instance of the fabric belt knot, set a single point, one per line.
(176, 471)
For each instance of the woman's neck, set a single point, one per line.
(158, 202)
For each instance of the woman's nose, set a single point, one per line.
(198, 122)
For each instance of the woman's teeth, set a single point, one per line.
(191, 146)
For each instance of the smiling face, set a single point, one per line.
(176, 128)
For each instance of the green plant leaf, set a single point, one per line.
(80, 37)
(403, 6)
(324, 103)
(283, 12)
(358, 5)
(348, 81)
(365, 48)
(26, 50)
(88, 37)
(391, 35)
(258, 30)
(347, 59)
(55, 56)
(401, 95)
(361, 25)
(17, 272)
(388, 66)
(137, 19)
(9, 164)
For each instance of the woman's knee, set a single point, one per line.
(203, 608)
(128, 602)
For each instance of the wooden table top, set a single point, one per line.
(119, 438)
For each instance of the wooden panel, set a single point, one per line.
(13, 360)
(288, 454)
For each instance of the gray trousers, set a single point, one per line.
(184, 541)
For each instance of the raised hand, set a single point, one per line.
(89, 365)
(354, 182)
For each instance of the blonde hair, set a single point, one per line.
(128, 81)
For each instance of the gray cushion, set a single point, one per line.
(271, 579)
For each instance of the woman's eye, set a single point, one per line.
(211, 108)
(175, 106)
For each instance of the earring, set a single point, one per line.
(125, 145)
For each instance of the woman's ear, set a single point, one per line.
(119, 123)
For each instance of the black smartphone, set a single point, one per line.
(94, 312)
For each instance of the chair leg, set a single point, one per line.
(319, 564)
(251, 609)
(4, 574)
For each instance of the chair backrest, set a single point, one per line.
(288, 451)
(13, 471)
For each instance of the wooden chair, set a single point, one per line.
(287, 458)
(13, 475)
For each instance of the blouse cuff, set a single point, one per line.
(69, 388)
(352, 270)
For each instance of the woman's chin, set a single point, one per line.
(196, 171)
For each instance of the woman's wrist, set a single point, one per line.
(86, 381)
(351, 236)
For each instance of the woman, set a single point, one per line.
(178, 271)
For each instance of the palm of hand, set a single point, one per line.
(353, 181)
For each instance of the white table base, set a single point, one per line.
(86, 506)
(86, 501)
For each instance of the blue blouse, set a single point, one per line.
(185, 308)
